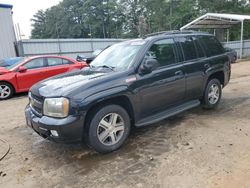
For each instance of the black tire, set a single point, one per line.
(93, 127)
(10, 89)
(208, 103)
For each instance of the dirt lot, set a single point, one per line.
(198, 148)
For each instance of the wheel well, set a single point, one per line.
(9, 84)
(122, 101)
(218, 75)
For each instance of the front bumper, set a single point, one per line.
(69, 129)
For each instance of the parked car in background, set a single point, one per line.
(136, 82)
(10, 61)
(21, 75)
(232, 54)
(89, 58)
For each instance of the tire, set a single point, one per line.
(108, 128)
(212, 95)
(6, 91)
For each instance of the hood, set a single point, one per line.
(3, 70)
(64, 84)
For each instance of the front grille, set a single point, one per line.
(36, 104)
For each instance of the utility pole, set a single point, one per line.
(171, 13)
(91, 39)
(58, 40)
(103, 26)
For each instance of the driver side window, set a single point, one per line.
(163, 52)
(35, 64)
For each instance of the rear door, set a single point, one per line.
(218, 59)
(57, 66)
(194, 60)
(33, 74)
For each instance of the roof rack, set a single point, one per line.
(169, 33)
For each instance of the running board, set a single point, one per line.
(167, 113)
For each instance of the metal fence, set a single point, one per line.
(236, 46)
(74, 47)
(66, 47)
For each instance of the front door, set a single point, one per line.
(32, 75)
(165, 86)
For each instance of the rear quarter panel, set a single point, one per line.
(218, 63)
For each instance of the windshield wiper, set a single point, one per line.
(104, 66)
(109, 67)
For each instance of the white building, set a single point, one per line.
(7, 33)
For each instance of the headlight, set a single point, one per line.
(56, 107)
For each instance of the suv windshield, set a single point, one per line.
(118, 56)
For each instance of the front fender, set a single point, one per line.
(11, 79)
(107, 94)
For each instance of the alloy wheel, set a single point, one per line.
(5, 91)
(110, 129)
(213, 94)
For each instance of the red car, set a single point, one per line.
(20, 76)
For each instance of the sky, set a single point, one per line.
(23, 11)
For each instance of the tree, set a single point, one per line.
(39, 25)
(126, 18)
(103, 17)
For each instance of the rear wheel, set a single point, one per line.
(108, 128)
(6, 91)
(212, 94)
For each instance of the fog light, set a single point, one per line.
(54, 133)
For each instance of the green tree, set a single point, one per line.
(126, 18)
(39, 25)
(103, 17)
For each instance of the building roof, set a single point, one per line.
(175, 32)
(6, 6)
(216, 21)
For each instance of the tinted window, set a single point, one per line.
(211, 45)
(163, 52)
(199, 50)
(188, 48)
(54, 61)
(35, 63)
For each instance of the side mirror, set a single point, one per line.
(148, 66)
(22, 69)
(82, 59)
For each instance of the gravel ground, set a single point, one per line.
(198, 148)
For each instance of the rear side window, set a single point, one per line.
(199, 49)
(66, 62)
(211, 45)
(163, 51)
(188, 47)
(54, 61)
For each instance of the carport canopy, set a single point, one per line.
(218, 21)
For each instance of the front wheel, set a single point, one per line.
(108, 128)
(6, 91)
(212, 94)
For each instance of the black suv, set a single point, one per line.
(136, 82)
